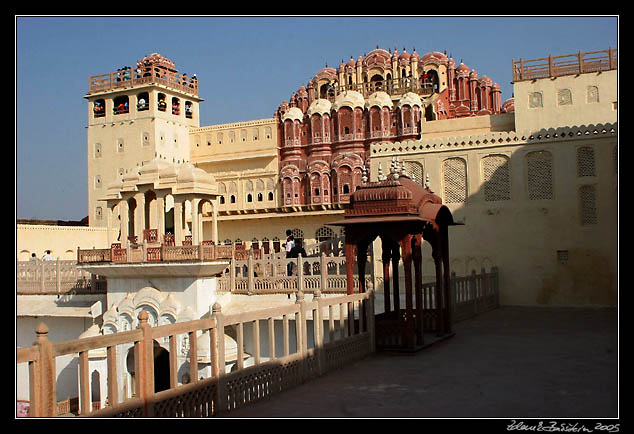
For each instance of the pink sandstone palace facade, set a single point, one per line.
(326, 129)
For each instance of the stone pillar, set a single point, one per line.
(214, 224)
(160, 215)
(109, 224)
(178, 221)
(124, 213)
(196, 236)
(139, 216)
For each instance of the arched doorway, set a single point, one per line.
(161, 368)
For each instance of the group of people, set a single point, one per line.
(124, 73)
(46, 257)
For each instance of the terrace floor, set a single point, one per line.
(512, 362)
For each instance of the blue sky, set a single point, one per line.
(246, 67)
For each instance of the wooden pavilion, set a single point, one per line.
(402, 214)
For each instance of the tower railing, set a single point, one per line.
(567, 64)
(131, 78)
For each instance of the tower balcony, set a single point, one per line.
(130, 78)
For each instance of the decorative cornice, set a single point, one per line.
(495, 139)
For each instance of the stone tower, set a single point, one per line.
(136, 115)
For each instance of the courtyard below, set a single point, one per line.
(511, 362)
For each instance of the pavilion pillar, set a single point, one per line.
(160, 215)
(124, 214)
(386, 255)
(438, 293)
(406, 248)
(444, 239)
(396, 256)
(109, 224)
(195, 220)
(178, 222)
(139, 216)
(349, 267)
(418, 286)
(214, 224)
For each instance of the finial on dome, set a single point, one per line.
(364, 177)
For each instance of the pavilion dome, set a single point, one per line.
(411, 99)
(92, 331)
(350, 98)
(158, 60)
(204, 352)
(319, 106)
(381, 99)
(294, 114)
(189, 173)
(434, 57)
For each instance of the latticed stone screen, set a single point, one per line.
(497, 183)
(324, 233)
(455, 180)
(415, 170)
(588, 205)
(540, 175)
(585, 162)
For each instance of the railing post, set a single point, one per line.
(370, 321)
(300, 324)
(42, 275)
(323, 268)
(218, 357)
(300, 273)
(318, 332)
(43, 389)
(232, 273)
(250, 277)
(144, 365)
(58, 277)
(474, 291)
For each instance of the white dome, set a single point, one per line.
(350, 99)
(411, 99)
(92, 331)
(204, 353)
(294, 114)
(381, 99)
(319, 106)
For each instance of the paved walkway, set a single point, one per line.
(513, 362)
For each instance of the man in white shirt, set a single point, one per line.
(290, 243)
(47, 256)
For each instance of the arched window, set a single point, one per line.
(142, 101)
(176, 106)
(121, 105)
(233, 199)
(324, 233)
(270, 195)
(162, 104)
(260, 197)
(539, 168)
(497, 183)
(99, 108)
(189, 110)
(588, 205)
(585, 162)
(455, 180)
